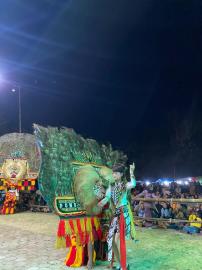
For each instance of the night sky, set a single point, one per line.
(124, 72)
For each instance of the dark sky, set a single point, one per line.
(124, 72)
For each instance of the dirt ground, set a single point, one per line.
(27, 243)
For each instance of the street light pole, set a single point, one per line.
(19, 109)
(18, 88)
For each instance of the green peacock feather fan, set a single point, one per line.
(71, 165)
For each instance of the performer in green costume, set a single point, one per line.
(122, 220)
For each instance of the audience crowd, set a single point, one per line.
(180, 215)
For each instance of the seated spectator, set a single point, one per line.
(193, 227)
(179, 214)
(147, 193)
(141, 210)
(174, 207)
(165, 211)
(196, 196)
(156, 210)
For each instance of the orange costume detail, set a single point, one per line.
(10, 200)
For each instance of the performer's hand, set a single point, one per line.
(132, 169)
(100, 204)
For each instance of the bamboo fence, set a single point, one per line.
(170, 200)
(168, 220)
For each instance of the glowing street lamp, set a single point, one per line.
(166, 183)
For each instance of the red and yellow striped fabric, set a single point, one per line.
(76, 233)
(84, 229)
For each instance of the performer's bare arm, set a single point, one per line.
(132, 182)
(107, 197)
